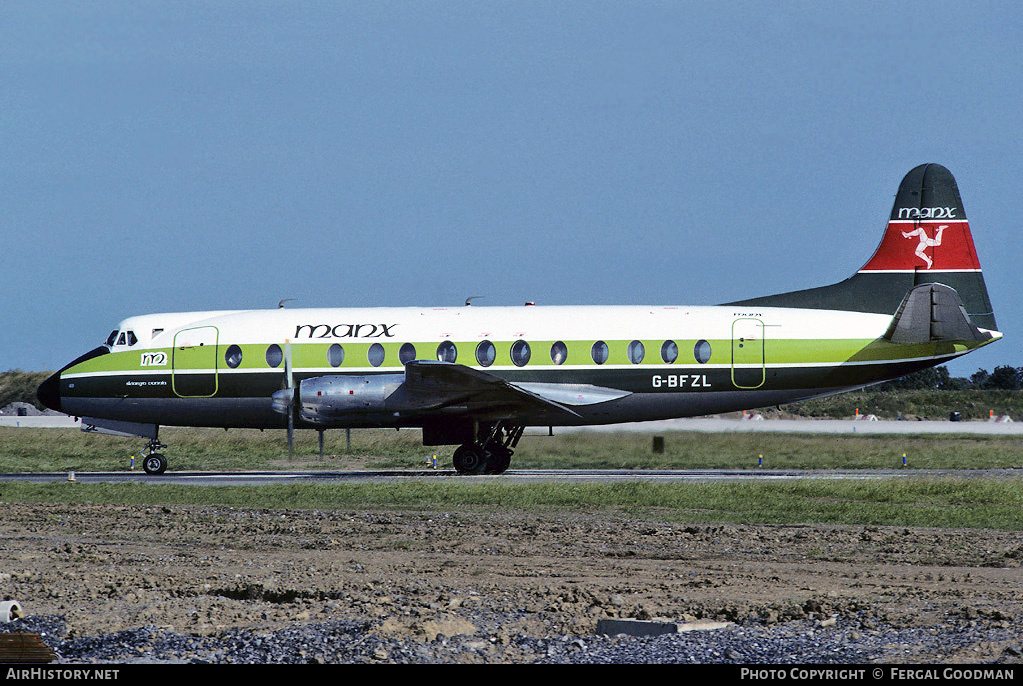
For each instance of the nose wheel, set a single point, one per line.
(154, 463)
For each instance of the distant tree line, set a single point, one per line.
(1003, 378)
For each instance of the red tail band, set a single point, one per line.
(935, 245)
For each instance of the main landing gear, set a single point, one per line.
(492, 455)
(154, 463)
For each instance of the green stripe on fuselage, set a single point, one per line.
(313, 356)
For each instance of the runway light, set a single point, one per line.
(903, 459)
(760, 460)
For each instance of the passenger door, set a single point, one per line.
(194, 362)
(748, 353)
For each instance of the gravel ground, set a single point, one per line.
(217, 585)
(795, 642)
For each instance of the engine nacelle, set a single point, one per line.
(324, 398)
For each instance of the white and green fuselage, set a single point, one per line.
(222, 370)
(476, 376)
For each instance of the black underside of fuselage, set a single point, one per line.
(243, 400)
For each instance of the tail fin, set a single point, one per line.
(927, 240)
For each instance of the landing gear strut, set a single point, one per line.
(492, 455)
(154, 463)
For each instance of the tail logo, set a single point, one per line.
(927, 212)
(926, 242)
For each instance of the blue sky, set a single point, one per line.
(174, 156)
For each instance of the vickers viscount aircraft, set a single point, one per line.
(476, 376)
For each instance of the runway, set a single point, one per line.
(698, 424)
(811, 426)
(518, 476)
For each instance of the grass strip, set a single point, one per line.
(944, 503)
(57, 450)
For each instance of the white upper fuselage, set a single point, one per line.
(463, 325)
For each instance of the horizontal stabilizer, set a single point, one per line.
(932, 312)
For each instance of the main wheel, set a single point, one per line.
(499, 460)
(155, 464)
(470, 459)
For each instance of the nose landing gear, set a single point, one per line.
(154, 463)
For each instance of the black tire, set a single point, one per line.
(470, 459)
(155, 464)
(499, 459)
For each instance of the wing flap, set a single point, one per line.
(449, 384)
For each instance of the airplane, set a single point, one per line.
(475, 377)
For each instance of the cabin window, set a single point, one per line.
(375, 354)
(702, 352)
(112, 337)
(447, 352)
(157, 332)
(559, 353)
(335, 355)
(520, 353)
(486, 353)
(636, 352)
(599, 352)
(274, 355)
(669, 351)
(233, 356)
(407, 353)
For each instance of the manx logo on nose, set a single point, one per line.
(345, 330)
(927, 212)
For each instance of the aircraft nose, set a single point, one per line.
(49, 392)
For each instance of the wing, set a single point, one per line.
(434, 385)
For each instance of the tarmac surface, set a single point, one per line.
(704, 424)
(512, 475)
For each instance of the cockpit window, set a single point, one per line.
(132, 339)
(120, 339)
(112, 337)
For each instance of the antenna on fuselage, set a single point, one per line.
(468, 301)
(280, 305)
